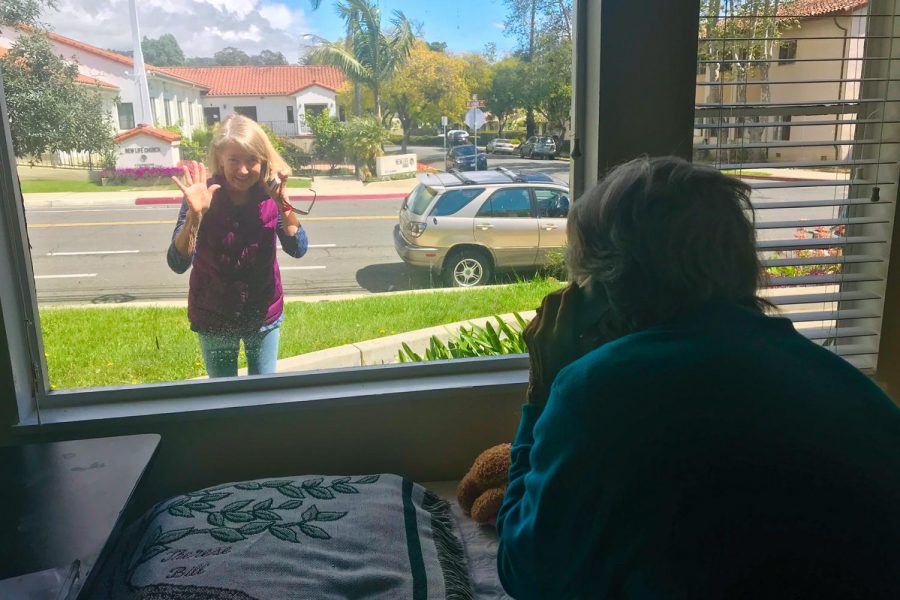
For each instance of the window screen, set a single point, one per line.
(814, 131)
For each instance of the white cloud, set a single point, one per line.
(202, 27)
(499, 25)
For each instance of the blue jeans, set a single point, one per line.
(220, 352)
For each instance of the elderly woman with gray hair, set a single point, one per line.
(677, 442)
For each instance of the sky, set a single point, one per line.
(203, 27)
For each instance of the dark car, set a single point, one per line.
(456, 137)
(466, 158)
(538, 146)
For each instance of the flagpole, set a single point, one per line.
(143, 112)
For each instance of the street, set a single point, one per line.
(96, 255)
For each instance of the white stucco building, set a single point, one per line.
(277, 95)
(146, 146)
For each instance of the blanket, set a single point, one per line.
(315, 536)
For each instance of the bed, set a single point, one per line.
(310, 536)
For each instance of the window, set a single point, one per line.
(552, 203)
(126, 115)
(290, 114)
(180, 112)
(453, 200)
(513, 203)
(247, 111)
(787, 52)
(783, 132)
(167, 104)
(211, 115)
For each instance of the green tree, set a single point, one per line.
(330, 137)
(365, 138)
(369, 55)
(478, 73)
(437, 46)
(429, 85)
(231, 56)
(268, 57)
(505, 95)
(550, 82)
(24, 12)
(48, 110)
(163, 51)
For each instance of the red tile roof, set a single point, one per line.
(275, 80)
(78, 78)
(119, 58)
(819, 8)
(166, 136)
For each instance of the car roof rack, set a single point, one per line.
(513, 176)
(462, 177)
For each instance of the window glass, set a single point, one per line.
(419, 199)
(464, 151)
(552, 203)
(453, 200)
(126, 115)
(510, 204)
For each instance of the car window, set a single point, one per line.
(552, 203)
(464, 150)
(419, 199)
(510, 203)
(453, 200)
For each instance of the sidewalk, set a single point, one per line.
(328, 188)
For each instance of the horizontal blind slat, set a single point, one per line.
(819, 298)
(805, 223)
(835, 242)
(821, 260)
(821, 279)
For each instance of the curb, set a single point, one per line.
(323, 197)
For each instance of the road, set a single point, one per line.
(99, 255)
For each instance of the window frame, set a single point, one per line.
(787, 52)
(489, 202)
(119, 106)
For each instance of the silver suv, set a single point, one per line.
(466, 226)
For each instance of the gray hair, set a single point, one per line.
(658, 236)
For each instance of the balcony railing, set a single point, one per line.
(284, 128)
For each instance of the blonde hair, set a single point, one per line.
(250, 136)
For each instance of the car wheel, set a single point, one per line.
(467, 268)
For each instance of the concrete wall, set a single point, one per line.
(272, 110)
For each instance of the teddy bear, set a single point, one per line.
(480, 492)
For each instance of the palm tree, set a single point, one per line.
(369, 55)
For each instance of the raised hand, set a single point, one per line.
(194, 187)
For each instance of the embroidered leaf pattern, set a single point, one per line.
(254, 528)
(174, 535)
(224, 534)
(236, 505)
(248, 485)
(284, 533)
(314, 532)
(256, 519)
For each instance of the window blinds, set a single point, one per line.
(802, 101)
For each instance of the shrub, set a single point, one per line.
(364, 138)
(470, 343)
(140, 175)
(296, 157)
(812, 269)
(330, 134)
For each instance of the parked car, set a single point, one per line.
(538, 146)
(466, 158)
(455, 137)
(499, 145)
(467, 226)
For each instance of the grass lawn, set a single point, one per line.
(36, 186)
(88, 347)
(743, 173)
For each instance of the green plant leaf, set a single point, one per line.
(254, 528)
(291, 491)
(180, 511)
(224, 534)
(236, 505)
(174, 535)
(329, 516)
(320, 493)
(310, 513)
(314, 532)
(248, 485)
(238, 516)
(290, 504)
(520, 320)
(284, 533)
(267, 515)
(368, 479)
(344, 488)
(312, 482)
(215, 519)
(264, 504)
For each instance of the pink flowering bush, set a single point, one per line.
(140, 175)
(803, 233)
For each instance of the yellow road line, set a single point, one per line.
(113, 223)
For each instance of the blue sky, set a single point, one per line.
(202, 27)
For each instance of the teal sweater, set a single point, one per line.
(721, 455)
